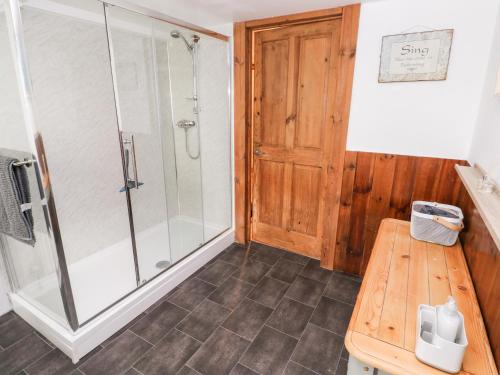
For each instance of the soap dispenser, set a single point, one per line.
(448, 320)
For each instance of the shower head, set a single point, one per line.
(177, 34)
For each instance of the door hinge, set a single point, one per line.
(252, 66)
(251, 212)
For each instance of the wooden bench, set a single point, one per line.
(403, 273)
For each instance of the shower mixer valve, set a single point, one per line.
(186, 124)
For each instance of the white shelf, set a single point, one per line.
(488, 204)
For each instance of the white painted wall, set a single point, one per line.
(421, 118)
(485, 148)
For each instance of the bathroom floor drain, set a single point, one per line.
(163, 264)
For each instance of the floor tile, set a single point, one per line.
(219, 354)
(236, 254)
(332, 315)
(191, 293)
(158, 322)
(295, 369)
(269, 292)
(341, 368)
(57, 363)
(22, 354)
(118, 333)
(252, 271)
(169, 355)
(319, 358)
(118, 356)
(187, 371)
(290, 317)
(161, 300)
(248, 319)
(45, 339)
(204, 320)
(6, 317)
(239, 369)
(266, 254)
(306, 290)
(297, 258)
(269, 352)
(231, 293)
(217, 273)
(285, 270)
(13, 330)
(132, 371)
(342, 288)
(312, 270)
(345, 353)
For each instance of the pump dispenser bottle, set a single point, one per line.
(448, 320)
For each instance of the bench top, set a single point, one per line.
(403, 273)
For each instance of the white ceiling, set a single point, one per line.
(208, 13)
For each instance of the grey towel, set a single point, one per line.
(16, 220)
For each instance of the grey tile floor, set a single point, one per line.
(256, 310)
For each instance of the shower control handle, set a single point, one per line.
(186, 124)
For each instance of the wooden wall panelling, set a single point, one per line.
(483, 258)
(240, 148)
(377, 186)
(348, 42)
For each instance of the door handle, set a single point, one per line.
(135, 162)
(258, 152)
(130, 183)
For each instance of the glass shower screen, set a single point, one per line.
(132, 115)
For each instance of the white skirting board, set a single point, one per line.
(79, 343)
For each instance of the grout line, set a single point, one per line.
(235, 333)
(140, 372)
(183, 308)
(307, 368)
(189, 368)
(142, 338)
(25, 369)
(185, 333)
(328, 330)
(242, 365)
(308, 322)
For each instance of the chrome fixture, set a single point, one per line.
(163, 264)
(130, 183)
(27, 163)
(186, 124)
(190, 46)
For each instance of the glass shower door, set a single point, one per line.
(76, 124)
(133, 52)
(178, 60)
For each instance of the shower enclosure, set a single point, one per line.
(125, 117)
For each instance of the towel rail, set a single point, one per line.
(26, 163)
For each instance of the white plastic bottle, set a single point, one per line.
(448, 320)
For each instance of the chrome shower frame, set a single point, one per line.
(13, 11)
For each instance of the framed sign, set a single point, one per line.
(421, 56)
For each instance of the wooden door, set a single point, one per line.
(293, 132)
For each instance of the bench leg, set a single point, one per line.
(356, 367)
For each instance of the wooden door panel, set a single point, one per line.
(271, 184)
(314, 54)
(274, 93)
(305, 197)
(294, 87)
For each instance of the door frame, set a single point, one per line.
(243, 126)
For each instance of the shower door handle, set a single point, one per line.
(129, 148)
(136, 179)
